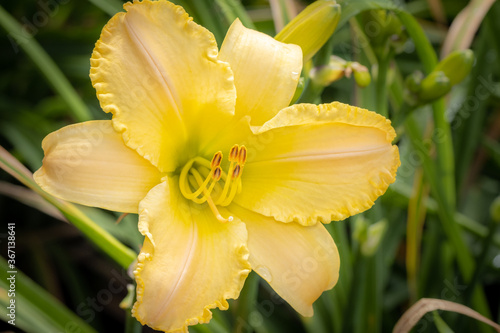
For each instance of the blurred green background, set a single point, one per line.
(433, 234)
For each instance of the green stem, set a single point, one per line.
(451, 228)
(381, 86)
(233, 9)
(340, 294)
(481, 261)
(247, 300)
(374, 292)
(444, 143)
(445, 155)
(465, 260)
(19, 36)
(312, 91)
(424, 48)
(468, 130)
(415, 222)
(37, 309)
(110, 7)
(204, 13)
(100, 237)
(131, 324)
(360, 319)
(441, 181)
(399, 195)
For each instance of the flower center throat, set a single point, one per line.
(202, 181)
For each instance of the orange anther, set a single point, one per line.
(217, 173)
(242, 155)
(236, 171)
(216, 160)
(233, 153)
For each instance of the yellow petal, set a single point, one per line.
(298, 262)
(323, 163)
(89, 164)
(266, 72)
(158, 73)
(189, 263)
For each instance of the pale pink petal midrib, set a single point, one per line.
(193, 238)
(164, 80)
(324, 155)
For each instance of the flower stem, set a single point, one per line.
(19, 37)
(444, 144)
(381, 86)
(100, 237)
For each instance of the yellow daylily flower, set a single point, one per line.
(225, 176)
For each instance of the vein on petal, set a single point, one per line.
(322, 156)
(187, 261)
(166, 83)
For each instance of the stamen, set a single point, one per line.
(236, 171)
(199, 177)
(216, 160)
(233, 153)
(232, 194)
(192, 182)
(217, 174)
(242, 155)
(208, 198)
(185, 185)
(225, 190)
(237, 156)
(202, 186)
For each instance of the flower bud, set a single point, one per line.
(457, 65)
(361, 75)
(360, 230)
(434, 86)
(495, 210)
(374, 235)
(325, 75)
(312, 27)
(128, 300)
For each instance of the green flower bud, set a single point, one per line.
(457, 65)
(325, 75)
(361, 74)
(312, 27)
(434, 86)
(360, 230)
(374, 235)
(128, 300)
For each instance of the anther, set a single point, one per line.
(242, 155)
(217, 173)
(233, 153)
(236, 171)
(216, 160)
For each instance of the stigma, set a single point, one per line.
(202, 181)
